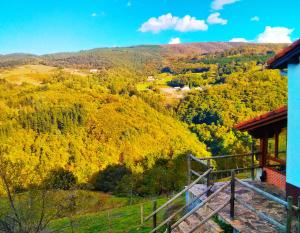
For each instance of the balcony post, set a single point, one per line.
(289, 214)
(169, 229)
(252, 160)
(155, 215)
(208, 178)
(188, 169)
(232, 196)
(298, 214)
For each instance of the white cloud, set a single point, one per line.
(175, 40)
(170, 22)
(275, 35)
(238, 40)
(218, 4)
(94, 14)
(129, 4)
(214, 18)
(255, 18)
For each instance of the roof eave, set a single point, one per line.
(291, 57)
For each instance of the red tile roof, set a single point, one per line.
(270, 117)
(271, 62)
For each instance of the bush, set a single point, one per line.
(108, 179)
(61, 179)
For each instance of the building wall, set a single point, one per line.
(276, 178)
(293, 155)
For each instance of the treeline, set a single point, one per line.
(48, 119)
(213, 112)
(96, 126)
(82, 124)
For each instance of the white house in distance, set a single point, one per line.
(289, 58)
(279, 130)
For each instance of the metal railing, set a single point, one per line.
(199, 206)
(206, 169)
(167, 222)
(287, 227)
(224, 164)
(246, 165)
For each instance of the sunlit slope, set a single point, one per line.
(33, 74)
(70, 122)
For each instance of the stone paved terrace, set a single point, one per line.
(246, 220)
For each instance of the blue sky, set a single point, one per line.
(50, 26)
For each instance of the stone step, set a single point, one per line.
(193, 221)
(211, 225)
(183, 227)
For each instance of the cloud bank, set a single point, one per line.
(255, 18)
(270, 35)
(215, 18)
(219, 4)
(238, 40)
(175, 40)
(170, 22)
(275, 35)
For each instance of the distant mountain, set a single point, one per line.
(201, 48)
(134, 57)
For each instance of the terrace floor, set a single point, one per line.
(245, 219)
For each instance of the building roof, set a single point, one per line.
(289, 55)
(263, 120)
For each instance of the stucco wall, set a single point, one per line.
(293, 155)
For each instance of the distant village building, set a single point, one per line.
(93, 70)
(198, 88)
(186, 88)
(150, 79)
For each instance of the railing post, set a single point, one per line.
(252, 160)
(298, 214)
(142, 214)
(232, 196)
(208, 178)
(169, 230)
(189, 168)
(289, 214)
(189, 174)
(154, 216)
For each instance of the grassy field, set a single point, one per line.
(33, 74)
(99, 212)
(161, 80)
(126, 219)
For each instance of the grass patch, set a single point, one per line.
(33, 74)
(125, 219)
(161, 81)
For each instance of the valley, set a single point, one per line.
(121, 121)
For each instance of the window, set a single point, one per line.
(277, 144)
(272, 147)
(282, 144)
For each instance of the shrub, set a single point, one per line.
(108, 179)
(61, 179)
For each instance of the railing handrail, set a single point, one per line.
(179, 210)
(236, 169)
(265, 194)
(199, 160)
(224, 156)
(209, 216)
(178, 194)
(201, 204)
(261, 214)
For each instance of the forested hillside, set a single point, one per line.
(113, 117)
(74, 123)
